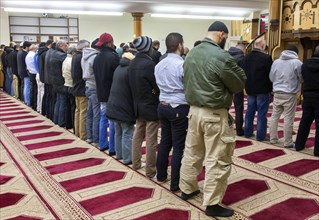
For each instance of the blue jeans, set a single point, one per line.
(174, 123)
(123, 141)
(26, 90)
(60, 110)
(104, 124)
(92, 115)
(258, 103)
(9, 81)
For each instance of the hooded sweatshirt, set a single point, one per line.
(285, 73)
(87, 61)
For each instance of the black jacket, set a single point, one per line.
(144, 88)
(104, 66)
(53, 67)
(238, 55)
(12, 59)
(310, 74)
(41, 62)
(22, 67)
(8, 62)
(156, 55)
(257, 66)
(77, 73)
(120, 103)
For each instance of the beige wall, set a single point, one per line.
(4, 27)
(90, 27)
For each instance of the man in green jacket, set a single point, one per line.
(211, 78)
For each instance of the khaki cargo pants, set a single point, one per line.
(210, 138)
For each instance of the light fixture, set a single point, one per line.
(56, 11)
(207, 17)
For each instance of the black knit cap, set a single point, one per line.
(293, 48)
(218, 26)
(93, 44)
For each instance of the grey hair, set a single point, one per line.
(60, 43)
(71, 49)
(82, 44)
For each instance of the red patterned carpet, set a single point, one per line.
(48, 173)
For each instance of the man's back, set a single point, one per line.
(257, 67)
(310, 74)
(286, 73)
(104, 66)
(144, 89)
(211, 76)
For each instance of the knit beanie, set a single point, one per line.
(293, 48)
(218, 26)
(142, 43)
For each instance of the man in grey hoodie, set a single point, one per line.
(285, 74)
(93, 110)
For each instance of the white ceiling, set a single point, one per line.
(230, 8)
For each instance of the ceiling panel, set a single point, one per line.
(200, 7)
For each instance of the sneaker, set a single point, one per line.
(264, 140)
(218, 211)
(95, 145)
(142, 165)
(162, 181)
(112, 153)
(273, 142)
(185, 196)
(89, 141)
(290, 146)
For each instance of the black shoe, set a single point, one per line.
(185, 196)
(174, 189)
(112, 153)
(128, 163)
(104, 149)
(219, 211)
(240, 133)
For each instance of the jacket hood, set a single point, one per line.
(88, 52)
(288, 55)
(124, 62)
(234, 51)
(41, 50)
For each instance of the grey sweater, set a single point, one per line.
(87, 61)
(285, 73)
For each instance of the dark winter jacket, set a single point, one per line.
(76, 73)
(120, 103)
(53, 67)
(156, 55)
(104, 66)
(22, 67)
(7, 57)
(257, 66)
(12, 59)
(42, 51)
(238, 55)
(144, 88)
(310, 74)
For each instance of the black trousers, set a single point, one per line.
(310, 112)
(239, 112)
(174, 123)
(33, 91)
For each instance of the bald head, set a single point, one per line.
(260, 44)
(316, 53)
(241, 47)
